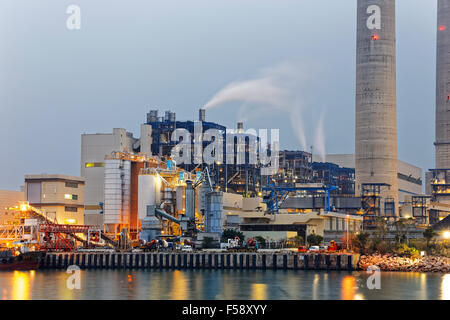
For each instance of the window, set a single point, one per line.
(70, 221)
(71, 209)
(70, 196)
(94, 164)
(71, 185)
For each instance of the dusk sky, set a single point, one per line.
(131, 56)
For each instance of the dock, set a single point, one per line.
(202, 260)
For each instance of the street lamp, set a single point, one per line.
(446, 235)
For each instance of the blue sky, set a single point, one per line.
(132, 56)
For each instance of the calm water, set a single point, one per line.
(221, 284)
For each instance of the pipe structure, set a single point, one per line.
(376, 159)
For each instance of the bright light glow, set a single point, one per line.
(442, 28)
(70, 221)
(446, 234)
(24, 206)
(375, 37)
(68, 196)
(445, 287)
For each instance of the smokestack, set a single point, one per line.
(152, 116)
(442, 144)
(376, 117)
(240, 127)
(201, 115)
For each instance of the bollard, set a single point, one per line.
(285, 264)
(216, 261)
(306, 261)
(263, 262)
(316, 261)
(338, 262)
(95, 261)
(274, 262)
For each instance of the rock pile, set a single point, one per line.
(389, 262)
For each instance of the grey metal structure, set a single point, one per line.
(213, 212)
(442, 143)
(376, 117)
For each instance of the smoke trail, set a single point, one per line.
(319, 141)
(273, 90)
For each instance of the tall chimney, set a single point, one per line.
(442, 143)
(240, 127)
(201, 115)
(376, 117)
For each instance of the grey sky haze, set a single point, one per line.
(131, 56)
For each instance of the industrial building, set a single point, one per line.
(376, 163)
(409, 176)
(60, 197)
(9, 199)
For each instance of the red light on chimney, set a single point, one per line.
(442, 28)
(375, 37)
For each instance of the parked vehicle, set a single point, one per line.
(186, 249)
(323, 248)
(314, 249)
(302, 249)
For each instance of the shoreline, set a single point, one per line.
(395, 263)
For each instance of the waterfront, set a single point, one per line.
(222, 284)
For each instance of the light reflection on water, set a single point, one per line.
(221, 284)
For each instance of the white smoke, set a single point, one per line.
(319, 141)
(274, 90)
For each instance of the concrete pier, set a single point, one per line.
(202, 260)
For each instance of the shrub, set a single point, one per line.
(314, 239)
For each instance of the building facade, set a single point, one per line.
(61, 197)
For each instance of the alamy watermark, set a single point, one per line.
(234, 146)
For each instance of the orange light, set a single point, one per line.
(442, 28)
(375, 37)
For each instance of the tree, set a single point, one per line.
(381, 228)
(296, 241)
(314, 239)
(231, 234)
(429, 234)
(261, 241)
(361, 240)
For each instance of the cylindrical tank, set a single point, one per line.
(376, 116)
(126, 195)
(152, 116)
(442, 143)
(190, 200)
(113, 195)
(172, 116)
(213, 214)
(146, 194)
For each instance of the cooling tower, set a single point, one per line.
(376, 116)
(442, 143)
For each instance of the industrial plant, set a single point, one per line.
(132, 191)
